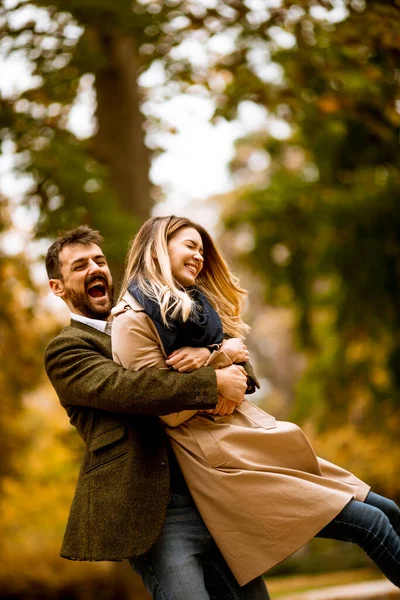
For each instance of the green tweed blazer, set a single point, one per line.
(123, 487)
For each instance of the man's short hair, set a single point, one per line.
(80, 235)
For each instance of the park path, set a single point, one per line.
(368, 590)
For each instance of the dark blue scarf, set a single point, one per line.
(202, 328)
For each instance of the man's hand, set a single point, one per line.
(232, 383)
(236, 349)
(188, 359)
(223, 408)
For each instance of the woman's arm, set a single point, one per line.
(136, 346)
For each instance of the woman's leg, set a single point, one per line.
(365, 524)
(390, 508)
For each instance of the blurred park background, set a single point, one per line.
(274, 123)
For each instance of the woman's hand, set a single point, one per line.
(236, 349)
(188, 359)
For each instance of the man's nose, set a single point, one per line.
(94, 267)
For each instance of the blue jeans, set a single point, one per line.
(375, 526)
(185, 563)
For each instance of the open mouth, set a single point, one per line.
(192, 269)
(97, 288)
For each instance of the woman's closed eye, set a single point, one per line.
(195, 249)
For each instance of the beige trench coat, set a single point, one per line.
(259, 487)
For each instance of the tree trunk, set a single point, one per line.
(119, 141)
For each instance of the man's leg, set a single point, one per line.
(221, 584)
(172, 569)
(184, 563)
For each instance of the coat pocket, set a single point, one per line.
(105, 463)
(106, 438)
(104, 448)
(210, 446)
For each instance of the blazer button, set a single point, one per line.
(163, 465)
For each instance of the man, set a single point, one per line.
(131, 500)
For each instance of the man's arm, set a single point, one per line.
(83, 376)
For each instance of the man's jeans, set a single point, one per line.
(185, 563)
(375, 526)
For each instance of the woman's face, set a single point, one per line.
(185, 251)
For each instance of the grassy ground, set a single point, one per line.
(292, 584)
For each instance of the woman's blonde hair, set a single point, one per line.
(148, 264)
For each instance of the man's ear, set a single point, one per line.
(57, 287)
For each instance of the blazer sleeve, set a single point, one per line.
(83, 376)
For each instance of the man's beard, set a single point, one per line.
(81, 301)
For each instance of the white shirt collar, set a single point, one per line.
(95, 323)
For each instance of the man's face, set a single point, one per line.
(86, 284)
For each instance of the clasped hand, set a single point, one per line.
(223, 408)
(188, 359)
(236, 349)
(231, 380)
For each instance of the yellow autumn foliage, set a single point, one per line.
(35, 504)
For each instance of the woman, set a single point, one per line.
(257, 483)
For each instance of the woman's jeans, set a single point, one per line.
(375, 526)
(185, 563)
